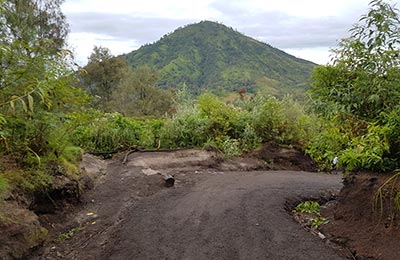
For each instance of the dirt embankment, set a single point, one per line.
(367, 226)
(24, 217)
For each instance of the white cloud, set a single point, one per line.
(307, 28)
(82, 45)
(176, 9)
(304, 8)
(319, 55)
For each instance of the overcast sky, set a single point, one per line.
(306, 28)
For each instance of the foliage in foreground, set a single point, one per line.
(359, 96)
(308, 207)
(35, 95)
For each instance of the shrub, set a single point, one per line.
(282, 121)
(113, 132)
(188, 128)
(312, 207)
(234, 129)
(325, 146)
(230, 147)
(367, 151)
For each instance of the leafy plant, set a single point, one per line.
(188, 128)
(70, 234)
(367, 151)
(230, 147)
(313, 211)
(317, 222)
(238, 126)
(359, 94)
(36, 93)
(364, 78)
(311, 207)
(99, 132)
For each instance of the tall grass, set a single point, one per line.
(387, 198)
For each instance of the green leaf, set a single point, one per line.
(12, 105)
(41, 94)
(30, 102)
(24, 107)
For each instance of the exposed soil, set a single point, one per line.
(281, 158)
(217, 209)
(357, 222)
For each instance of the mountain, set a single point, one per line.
(211, 55)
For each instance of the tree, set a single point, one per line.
(103, 73)
(35, 80)
(360, 94)
(137, 95)
(35, 27)
(364, 79)
(99, 54)
(32, 34)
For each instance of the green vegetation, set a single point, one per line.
(238, 127)
(69, 234)
(51, 111)
(208, 55)
(35, 94)
(312, 209)
(99, 132)
(102, 74)
(359, 96)
(317, 222)
(308, 207)
(3, 187)
(118, 88)
(206, 122)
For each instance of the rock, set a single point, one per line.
(20, 231)
(320, 235)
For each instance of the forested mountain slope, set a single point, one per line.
(211, 55)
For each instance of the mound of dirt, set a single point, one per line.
(20, 231)
(25, 218)
(359, 224)
(283, 158)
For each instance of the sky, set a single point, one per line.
(307, 29)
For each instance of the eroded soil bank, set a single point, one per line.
(363, 223)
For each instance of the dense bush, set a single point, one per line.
(240, 126)
(97, 132)
(359, 93)
(283, 121)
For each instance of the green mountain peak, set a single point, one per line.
(211, 55)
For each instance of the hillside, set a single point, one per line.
(211, 55)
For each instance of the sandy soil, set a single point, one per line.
(216, 210)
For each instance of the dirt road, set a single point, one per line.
(209, 214)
